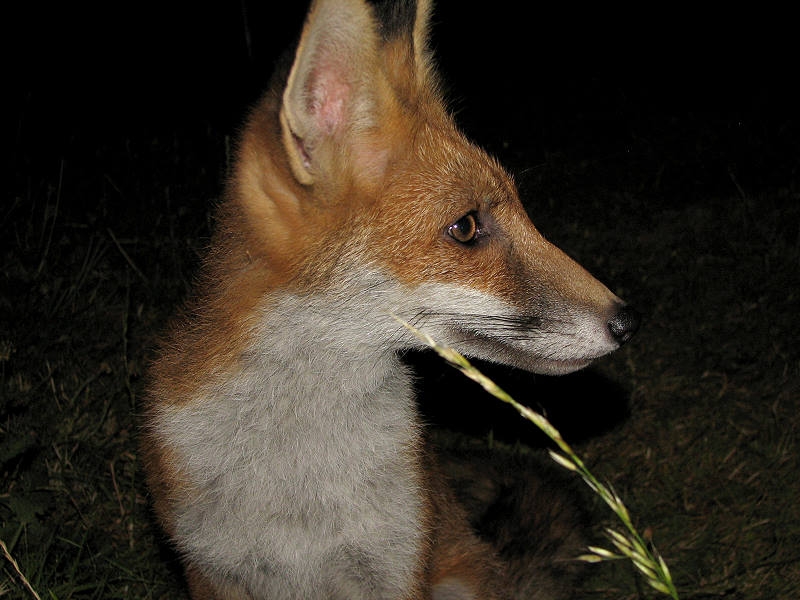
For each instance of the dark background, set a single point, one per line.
(568, 78)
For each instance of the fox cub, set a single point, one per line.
(282, 445)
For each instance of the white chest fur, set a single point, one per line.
(302, 466)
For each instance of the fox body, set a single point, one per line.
(282, 444)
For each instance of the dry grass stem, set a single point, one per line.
(629, 543)
(24, 580)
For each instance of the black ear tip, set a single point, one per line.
(625, 324)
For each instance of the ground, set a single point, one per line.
(674, 179)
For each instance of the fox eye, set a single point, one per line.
(465, 230)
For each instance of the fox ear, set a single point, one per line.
(421, 34)
(405, 28)
(328, 95)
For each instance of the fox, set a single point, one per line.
(283, 449)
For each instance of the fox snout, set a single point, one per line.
(624, 324)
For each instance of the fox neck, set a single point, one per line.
(312, 409)
(333, 348)
(321, 371)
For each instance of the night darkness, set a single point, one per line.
(560, 77)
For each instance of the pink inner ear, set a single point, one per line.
(330, 92)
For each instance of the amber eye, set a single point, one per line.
(465, 229)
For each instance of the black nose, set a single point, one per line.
(624, 324)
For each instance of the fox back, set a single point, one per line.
(282, 445)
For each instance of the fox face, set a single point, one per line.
(373, 177)
(484, 280)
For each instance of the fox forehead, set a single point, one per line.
(444, 173)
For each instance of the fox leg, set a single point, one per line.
(462, 566)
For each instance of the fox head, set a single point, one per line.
(353, 183)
